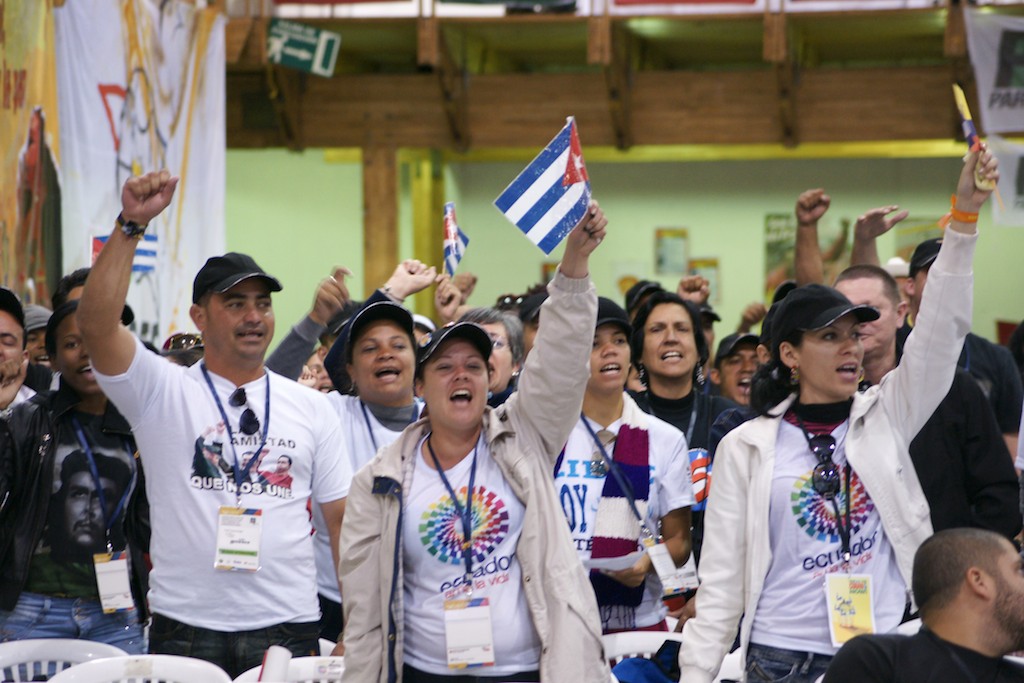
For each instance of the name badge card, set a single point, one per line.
(851, 609)
(469, 639)
(674, 580)
(112, 582)
(238, 539)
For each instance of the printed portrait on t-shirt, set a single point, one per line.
(264, 468)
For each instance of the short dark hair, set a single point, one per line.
(869, 271)
(942, 561)
(640, 322)
(107, 467)
(75, 278)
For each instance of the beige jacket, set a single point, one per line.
(525, 436)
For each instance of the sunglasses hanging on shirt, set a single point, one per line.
(248, 424)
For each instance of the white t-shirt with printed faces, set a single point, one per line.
(806, 546)
(579, 490)
(364, 436)
(435, 569)
(189, 459)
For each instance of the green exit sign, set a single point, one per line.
(302, 47)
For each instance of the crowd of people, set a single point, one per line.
(483, 494)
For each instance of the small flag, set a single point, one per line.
(145, 252)
(971, 135)
(551, 195)
(455, 241)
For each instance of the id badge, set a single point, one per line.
(469, 639)
(670, 576)
(112, 582)
(851, 609)
(238, 539)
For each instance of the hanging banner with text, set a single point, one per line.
(996, 45)
(1011, 182)
(149, 95)
(30, 242)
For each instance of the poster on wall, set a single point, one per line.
(912, 231)
(780, 249)
(147, 97)
(30, 209)
(996, 46)
(707, 268)
(671, 251)
(1009, 211)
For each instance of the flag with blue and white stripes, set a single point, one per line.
(455, 241)
(551, 195)
(146, 252)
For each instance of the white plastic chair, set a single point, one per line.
(326, 647)
(305, 670)
(142, 668)
(24, 660)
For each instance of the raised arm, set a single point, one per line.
(869, 227)
(293, 351)
(811, 205)
(111, 346)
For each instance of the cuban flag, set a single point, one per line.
(146, 252)
(551, 195)
(455, 241)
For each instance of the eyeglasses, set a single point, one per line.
(498, 342)
(248, 424)
(825, 478)
(182, 341)
(508, 301)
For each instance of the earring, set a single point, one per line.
(641, 372)
(700, 374)
(794, 376)
(860, 380)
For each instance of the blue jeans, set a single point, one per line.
(774, 665)
(235, 652)
(41, 616)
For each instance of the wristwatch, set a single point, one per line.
(130, 228)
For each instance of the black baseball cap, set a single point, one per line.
(221, 273)
(470, 332)
(728, 345)
(530, 308)
(379, 310)
(924, 255)
(812, 307)
(609, 312)
(638, 291)
(10, 303)
(706, 310)
(783, 290)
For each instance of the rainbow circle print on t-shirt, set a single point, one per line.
(816, 516)
(441, 529)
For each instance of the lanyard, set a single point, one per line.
(108, 521)
(693, 422)
(842, 527)
(369, 425)
(465, 512)
(623, 483)
(241, 474)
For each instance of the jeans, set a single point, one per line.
(773, 665)
(42, 616)
(235, 652)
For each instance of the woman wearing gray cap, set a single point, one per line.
(456, 561)
(817, 512)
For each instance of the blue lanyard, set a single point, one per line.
(84, 443)
(369, 426)
(624, 484)
(465, 512)
(241, 474)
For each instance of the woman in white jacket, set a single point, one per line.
(817, 512)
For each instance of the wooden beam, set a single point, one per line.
(428, 197)
(609, 45)
(284, 90)
(954, 40)
(433, 52)
(380, 214)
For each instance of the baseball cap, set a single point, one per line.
(783, 290)
(609, 312)
(924, 255)
(812, 307)
(221, 273)
(638, 291)
(379, 310)
(530, 308)
(470, 332)
(728, 345)
(36, 317)
(10, 303)
(897, 267)
(706, 310)
(422, 321)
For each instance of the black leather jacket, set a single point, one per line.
(27, 450)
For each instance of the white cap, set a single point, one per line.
(423, 321)
(897, 267)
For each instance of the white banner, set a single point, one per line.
(140, 88)
(1010, 210)
(996, 45)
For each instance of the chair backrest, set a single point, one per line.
(305, 670)
(144, 669)
(26, 660)
(327, 647)
(636, 643)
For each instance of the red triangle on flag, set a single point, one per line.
(575, 169)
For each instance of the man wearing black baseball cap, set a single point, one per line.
(735, 364)
(13, 356)
(235, 558)
(991, 365)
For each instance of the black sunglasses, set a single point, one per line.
(825, 478)
(508, 301)
(248, 424)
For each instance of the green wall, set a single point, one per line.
(299, 215)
